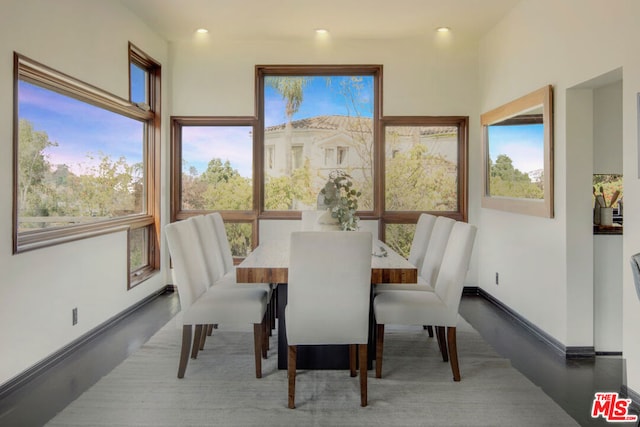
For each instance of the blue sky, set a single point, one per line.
(524, 144)
(81, 129)
(320, 98)
(201, 144)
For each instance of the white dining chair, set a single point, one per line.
(229, 277)
(431, 259)
(208, 238)
(421, 238)
(428, 271)
(431, 308)
(202, 304)
(329, 297)
(214, 262)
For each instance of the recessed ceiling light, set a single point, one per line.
(202, 31)
(443, 29)
(321, 31)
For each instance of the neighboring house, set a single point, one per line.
(343, 142)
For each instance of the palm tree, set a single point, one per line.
(292, 90)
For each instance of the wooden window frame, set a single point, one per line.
(31, 71)
(263, 71)
(234, 216)
(411, 217)
(379, 122)
(153, 184)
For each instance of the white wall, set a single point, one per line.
(561, 43)
(608, 262)
(607, 129)
(607, 276)
(87, 40)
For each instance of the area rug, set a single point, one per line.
(220, 388)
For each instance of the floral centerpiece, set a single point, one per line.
(342, 199)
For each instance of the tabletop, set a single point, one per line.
(268, 263)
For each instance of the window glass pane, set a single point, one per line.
(77, 163)
(217, 167)
(296, 156)
(399, 237)
(317, 123)
(138, 248)
(138, 84)
(342, 156)
(239, 235)
(421, 168)
(516, 160)
(269, 156)
(329, 156)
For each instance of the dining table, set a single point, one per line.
(269, 263)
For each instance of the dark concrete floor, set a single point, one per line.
(44, 396)
(571, 384)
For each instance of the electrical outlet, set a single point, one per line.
(497, 278)
(74, 316)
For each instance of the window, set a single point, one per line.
(85, 161)
(296, 157)
(138, 84)
(343, 152)
(329, 156)
(424, 171)
(421, 168)
(212, 170)
(324, 117)
(144, 92)
(139, 248)
(270, 152)
(310, 121)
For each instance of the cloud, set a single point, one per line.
(79, 128)
(200, 144)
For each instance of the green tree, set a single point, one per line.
(281, 193)
(417, 180)
(193, 189)
(225, 188)
(107, 189)
(506, 180)
(504, 169)
(399, 237)
(33, 166)
(239, 236)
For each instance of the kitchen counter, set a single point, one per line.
(612, 229)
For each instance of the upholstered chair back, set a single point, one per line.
(435, 250)
(329, 287)
(223, 241)
(208, 237)
(189, 271)
(421, 239)
(455, 264)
